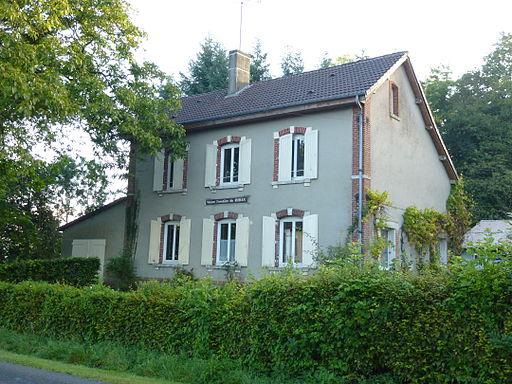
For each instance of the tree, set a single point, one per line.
(259, 67)
(475, 117)
(72, 62)
(327, 62)
(439, 87)
(292, 62)
(208, 72)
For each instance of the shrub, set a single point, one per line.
(341, 325)
(73, 271)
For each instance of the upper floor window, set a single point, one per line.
(298, 156)
(171, 241)
(394, 100)
(170, 173)
(228, 162)
(226, 244)
(230, 158)
(295, 155)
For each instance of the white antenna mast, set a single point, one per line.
(241, 19)
(241, 14)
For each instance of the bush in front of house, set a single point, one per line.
(439, 327)
(73, 271)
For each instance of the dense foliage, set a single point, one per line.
(292, 62)
(73, 271)
(68, 67)
(444, 326)
(474, 114)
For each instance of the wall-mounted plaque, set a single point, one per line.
(228, 200)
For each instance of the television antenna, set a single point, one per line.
(241, 18)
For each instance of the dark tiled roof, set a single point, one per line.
(309, 87)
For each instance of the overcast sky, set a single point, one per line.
(457, 33)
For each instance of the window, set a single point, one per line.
(394, 100)
(291, 241)
(297, 156)
(171, 241)
(229, 163)
(226, 241)
(388, 255)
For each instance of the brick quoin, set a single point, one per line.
(230, 215)
(366, 164)
(185, 171)
(299, 130)
(285, 131)
(276, 160)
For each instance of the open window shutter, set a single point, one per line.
(210, 169)
(154, 242)
(184, 250)
(242, 241)
(311, 154)
(310, 227)
(177, 179)
(207, 246)
(244, 173)
(285, 157)
(80, 248)
(158, 171)
(268, 245)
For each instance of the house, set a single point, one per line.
(276, 168)
(497, 231)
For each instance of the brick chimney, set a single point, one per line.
(239, 71)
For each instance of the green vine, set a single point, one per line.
(423, 227)
(459, 206)
(376, 205)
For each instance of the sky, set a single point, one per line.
(456, 33)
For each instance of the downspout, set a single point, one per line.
(360, 178)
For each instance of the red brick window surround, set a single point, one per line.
(170, 218)
(280, 215)
(219, 217)
(228, 162)
(170, 168)
(291, 148)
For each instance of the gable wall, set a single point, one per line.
(108, 225)
(404, 161)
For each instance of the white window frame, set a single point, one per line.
(293, 220)
(231, 253)
(175, 250)
(296, 138)
(390, 251)
(230, 147)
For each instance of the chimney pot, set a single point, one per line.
(239, 71)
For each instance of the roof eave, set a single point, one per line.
(91, 214)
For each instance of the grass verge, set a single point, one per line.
(79, 370)
(128, 363)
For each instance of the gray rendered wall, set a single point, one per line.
(108, 225)
(328, 196)
(404, 160)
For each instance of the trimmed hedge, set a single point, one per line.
(73, 271)
(443, 327)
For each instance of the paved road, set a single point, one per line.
(19, 374)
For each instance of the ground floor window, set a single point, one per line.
(291, 240)
(388, 255)
(226, 241)
(171, 241)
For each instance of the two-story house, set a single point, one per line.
(277, 168)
